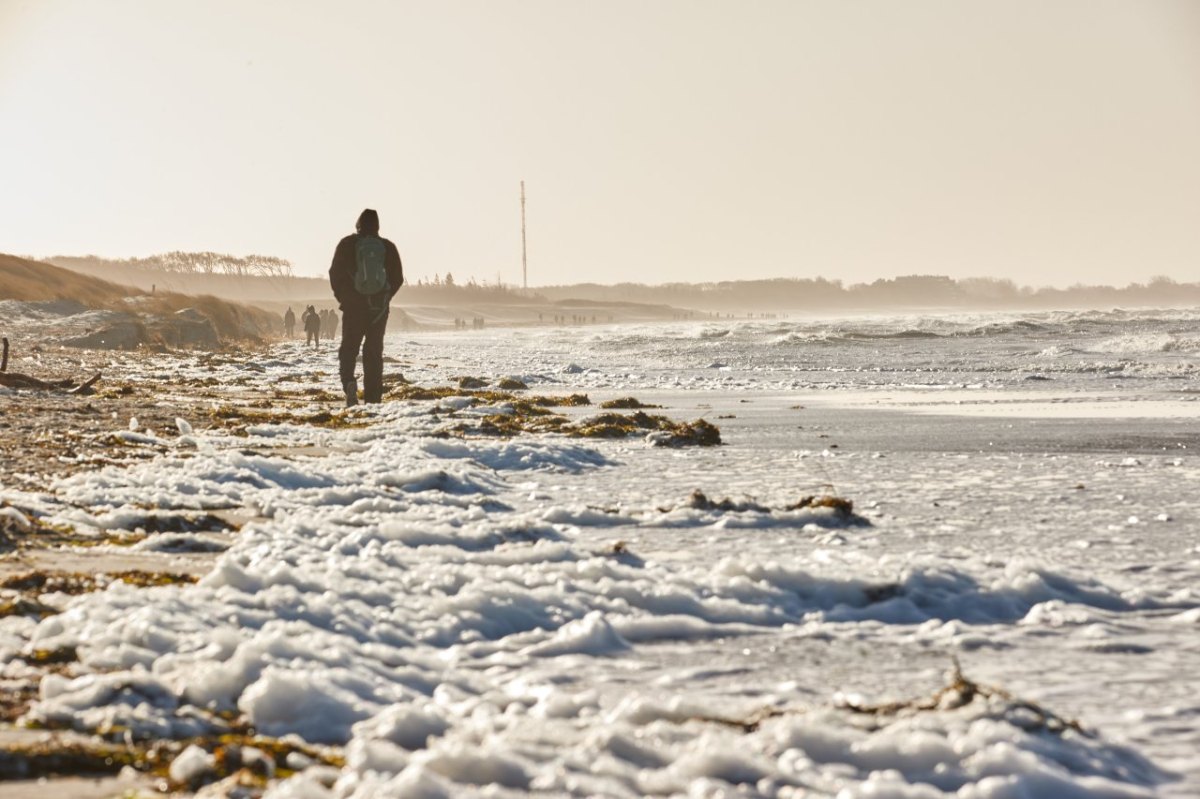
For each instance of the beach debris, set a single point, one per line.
(844, 507)
(528, 414)
(958, 692)
(23, 606)
(61, 582)
(512, 384)
(472, 382)
(659, 430)
(571, 401)
(699, 501)
(626, 403)
(615, 425)
(24, 529)
(20, 595)
(699, 433)
(242, 758)
(238, 418)
(22, 381)
(15, 699)
(427, 393)
(49, 657)
(13, 519)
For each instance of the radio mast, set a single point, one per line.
(524, 261)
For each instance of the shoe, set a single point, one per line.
(350, 387)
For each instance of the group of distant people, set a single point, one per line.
(316, 324)
(476, 323)
(573, 319)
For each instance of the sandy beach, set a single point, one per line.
(431, 597)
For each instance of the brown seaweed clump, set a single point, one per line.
(661, 431)
(569, 401)
(699, 433)
(238, 419)
(844, 507)
(626, 404)
(617, 425)
(74, 583)
(700, 501)
(246, 759)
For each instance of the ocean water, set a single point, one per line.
(459, 615)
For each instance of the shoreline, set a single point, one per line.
(592, 502)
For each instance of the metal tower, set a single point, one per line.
(524, 261)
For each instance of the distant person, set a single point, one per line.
(289, 322)
(365, 274)
(312, 326)
(325, 323)
(333, 324)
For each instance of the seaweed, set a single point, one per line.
(15, 700)
(664, 431)
(249, 758)
(36, 533)
(74, 583)
(619, 425)
(698, 501)
(50, 657)
(427, 393)
(699, 433)
(529, 419)
(238, 418)
(49, 758)
(959, 691)
(626, 403)
(512, 384)
(22, 606)
(844, 507)
(571, 400)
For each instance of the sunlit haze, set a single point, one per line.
(1050, 142)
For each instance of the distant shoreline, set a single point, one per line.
(907, 294)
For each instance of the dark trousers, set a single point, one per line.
(358, 331)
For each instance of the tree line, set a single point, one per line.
(189, 263)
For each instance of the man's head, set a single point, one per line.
(368, 222)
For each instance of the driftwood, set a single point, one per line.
(16, 380)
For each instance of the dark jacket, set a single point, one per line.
(341, 274)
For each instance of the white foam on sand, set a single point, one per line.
(459, 616)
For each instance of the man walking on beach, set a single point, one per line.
(289, 322)
(366, 272)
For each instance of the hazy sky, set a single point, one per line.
(1048, 141)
